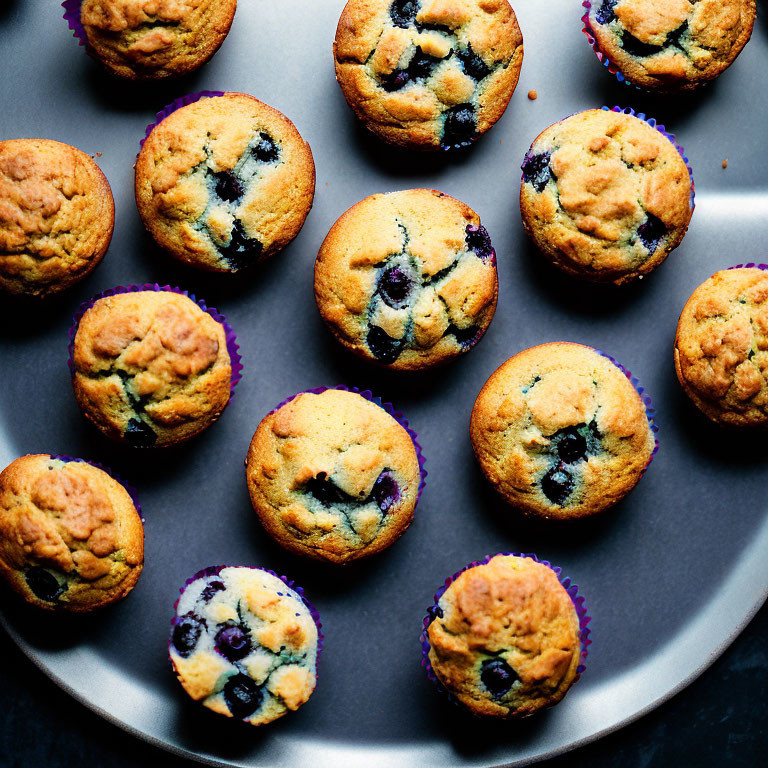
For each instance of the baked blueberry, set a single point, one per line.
(403, 12)
(460, 127)
(241, 251)
(557, 484)
(386, 491)
(651, 232)
(497, 676)
(44, 584)
(637, 47)
(571, 446)
(383, 347)
(606, 12)
(186, 634)
(233, 641)
(537, 170)
(473, 65)
(228, 187)
(479, 241)
(394, 287)
(139, 434)
(211, 589)
(325, 491)
(242, 696)
(266, 151)
(395, 80)
(467, 337)
(421, 65)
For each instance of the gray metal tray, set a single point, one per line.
(671, 575)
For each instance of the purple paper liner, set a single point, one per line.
(388, 407)
(72, 17)
(232, 347)
(214, 570)
(589, 31)
(650, 411)
(182, 101)
(114, 475)
(434, 611)
(750, 265)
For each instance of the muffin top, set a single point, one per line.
(561, 432)
(407, 279)
(70, 536)
(333, 476)
(151, 368)
(155, 38)
(244, 644)
(721, 348)
(56, 216)
(224, 182)
(505, 638)
(605, 196)
(428, 74)
(672, 44)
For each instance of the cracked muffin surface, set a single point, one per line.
(560, 431)
(672, 45)
(605, 196)
(224, 182)
(151, 368)
(151, 39)
(244, 644)
(333, 476)
(428, 74)
(721, 347)
(56, 216)
(505, 638)
(407, 279)
(71, 538)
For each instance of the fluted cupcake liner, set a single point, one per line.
(182, 101)
(130, 490)
(388, 407)
(232, 346)
(650, 411)
(72, 17)
(750, 265)
(215, 570)
(434, 612)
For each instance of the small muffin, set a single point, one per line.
(71, 538)
(504, 638)
(150, 367)
(605, 196)
(721, 347)
(151, 39)
(245, 644)
(560, 431)
(56, 216)
(224, 182)
(333, 476)
(428, 74)
(672, 45)
(407, 279)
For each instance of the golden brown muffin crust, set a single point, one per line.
(56, 216)
(513, 609)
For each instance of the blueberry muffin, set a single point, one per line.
(560, 431)
(245, 644)
(671, 45)
(150, 368)
(721, 347)
(56, 216)
(428, 74)
(224, 182)
(605, 196)
(407, 279)
(504, 638)
(71, 538)
(150, 39)
(333, 476)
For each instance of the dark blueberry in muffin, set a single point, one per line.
(395, 80)
(403, 12)
(473, 65)
(43, 584)
(241, 251)
(636, 47)
(497, 676)
(421, 65)
(228, 187)
(383, 347)
(571, 446)
(186, 633)
(210, 590)
(266, 151)
(536, 170)
(139, 434)
(479, 241)
(464, 336)
(242, 695)
(651, 232)
(394, 287)
(673, 38)
(325, 491)
(459, 129)
(233, 642)
(605, 13)
(557, 483)
(385, 492)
